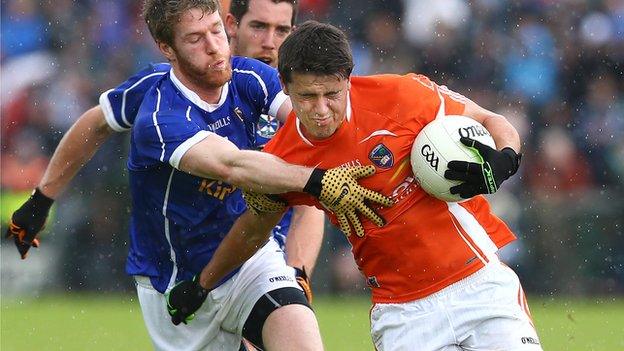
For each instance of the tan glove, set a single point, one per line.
(263, 203)
(338, 190)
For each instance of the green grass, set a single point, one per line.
(78, 322)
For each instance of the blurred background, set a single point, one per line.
(554, 68)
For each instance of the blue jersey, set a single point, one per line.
(121, 104)
(178, 220)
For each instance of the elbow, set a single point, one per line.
(232, 176)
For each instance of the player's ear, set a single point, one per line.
(166, 50)
(231, 25)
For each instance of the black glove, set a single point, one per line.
(184, 299)
(28, 221)
(485, 177)
(304, 282)
(338, 190)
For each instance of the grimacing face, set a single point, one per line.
(261, 30)
(320, 102)
(200, 49)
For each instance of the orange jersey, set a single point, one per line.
(427, 244)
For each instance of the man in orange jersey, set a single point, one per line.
(436, 281)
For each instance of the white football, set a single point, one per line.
(437, 144)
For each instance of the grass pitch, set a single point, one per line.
(88, 322)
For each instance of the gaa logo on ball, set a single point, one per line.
(437, 144)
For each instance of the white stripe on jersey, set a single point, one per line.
(109, 115)
(452, 94)
(172, 254)
(474, 229)
(262, 85)
(472, 248)
(442, 109)
(188, 114)
(123, 98)
(278, 101)
(177, 154)
(162, 142)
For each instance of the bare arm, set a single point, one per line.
(248, 234)
(217, 158)
(305, 237)
(504, 134)
(77, 147)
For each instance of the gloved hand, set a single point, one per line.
(263, 203)
(304, 282)
(338, 190)
(28, 221)
(485, 177)
(184, 299)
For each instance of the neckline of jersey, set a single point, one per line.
(195, 99)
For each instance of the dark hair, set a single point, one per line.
(316, 48)
(238, 8)
(162, 15)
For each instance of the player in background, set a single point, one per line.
(436, 281)
(256, 29)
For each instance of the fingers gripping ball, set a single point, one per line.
(438, 144)
(486, 176)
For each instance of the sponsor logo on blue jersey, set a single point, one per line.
(216, 188)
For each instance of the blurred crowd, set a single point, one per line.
(555, 68)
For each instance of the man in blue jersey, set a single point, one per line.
(186, 165)
(166, 142)
(257, 28)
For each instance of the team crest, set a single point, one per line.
(381, 156)
(239, 114)
(267, 126)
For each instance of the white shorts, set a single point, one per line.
(485, 311)
(218, 324)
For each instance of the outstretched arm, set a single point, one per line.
(217, 158)
(337, 188)
(78, 145)
(76, 148)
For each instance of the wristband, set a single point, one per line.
(314, 185)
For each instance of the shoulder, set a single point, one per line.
(392, 81)
(393, 89)
(148, 75)
(161, 99)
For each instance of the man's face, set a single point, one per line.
(320, 102)
(200, 49)
(262, 30)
